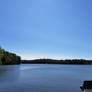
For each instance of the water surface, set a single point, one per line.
(43, 77)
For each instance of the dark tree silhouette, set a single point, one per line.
(51, 61)
(7, 58)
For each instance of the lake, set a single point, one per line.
(43, 77)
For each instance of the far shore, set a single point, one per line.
(53, 61)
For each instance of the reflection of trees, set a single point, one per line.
(2, 71)
(9, 73)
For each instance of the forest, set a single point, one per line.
(8, 58)
(52, 61)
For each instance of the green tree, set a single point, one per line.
(7, 58)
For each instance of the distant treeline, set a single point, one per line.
(7, 58)
(51, 61)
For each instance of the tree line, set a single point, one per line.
(52, 61)
(8, 58)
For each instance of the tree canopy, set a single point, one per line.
(7, 58)
(52, 61)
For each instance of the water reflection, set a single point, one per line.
(43, 78)
(9, 73)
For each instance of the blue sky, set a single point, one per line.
(57, 29)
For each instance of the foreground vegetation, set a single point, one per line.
(7, 58)
(51, 61)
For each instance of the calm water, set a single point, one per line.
(43, 78)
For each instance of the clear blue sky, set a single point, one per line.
(47, 28)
